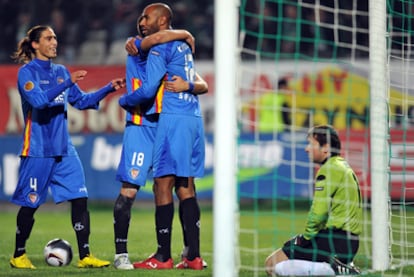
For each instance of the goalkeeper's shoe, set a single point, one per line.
(196, 264)
(153, 263)
(21, 262)
(184, 254)
(341, 268)
(91, 261)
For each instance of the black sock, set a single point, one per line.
(163, 221)
(191, 218)
(25, 222)
(180, 213)
(122, 217)
(81, 225)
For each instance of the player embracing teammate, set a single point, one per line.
(178, 150)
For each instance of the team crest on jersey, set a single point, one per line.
(28, 86)
(60, 80)
(33, 197)
(134, 173)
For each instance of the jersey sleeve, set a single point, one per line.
(155, 70)
(318, 214)
(32, 92)
(81, 100)
(142, 52)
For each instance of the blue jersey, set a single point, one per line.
(145, 113)
(136, 157)
(164, 61)
(179, 142)
(45, 89)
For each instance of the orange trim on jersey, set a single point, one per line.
(136, 114)
(27, 132)
(160, 95)
(136, 83)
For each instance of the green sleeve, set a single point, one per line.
(318, 214)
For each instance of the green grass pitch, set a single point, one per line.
(54, 221)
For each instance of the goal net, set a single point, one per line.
(304, 63)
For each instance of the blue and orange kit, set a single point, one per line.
(45, 90)
(143, 113)
(165, 61)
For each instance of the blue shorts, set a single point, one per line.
(63, 175)
(136, 155)
(179, 147)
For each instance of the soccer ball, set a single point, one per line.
(58, 252)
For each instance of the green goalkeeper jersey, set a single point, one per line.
(337, 199)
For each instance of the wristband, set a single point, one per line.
(190, 86)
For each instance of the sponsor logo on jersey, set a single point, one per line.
(156, 53)
(60, 99)
(60, 80)
(28, 86)
(134, 173)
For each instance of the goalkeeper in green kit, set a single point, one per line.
(331, 237)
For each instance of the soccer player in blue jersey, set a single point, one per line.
(331, 237)
(48, 158)
(139, 135)
(178, 155)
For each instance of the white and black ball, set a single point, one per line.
(58, 252)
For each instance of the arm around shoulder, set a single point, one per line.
(164, 36)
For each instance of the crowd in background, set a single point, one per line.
(91, 31)
(94, 31)
(306, 28)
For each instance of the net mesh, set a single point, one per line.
(306, 63)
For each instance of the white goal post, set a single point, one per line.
(379, 130)
(225, 134)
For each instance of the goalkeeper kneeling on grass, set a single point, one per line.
(331, 237)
